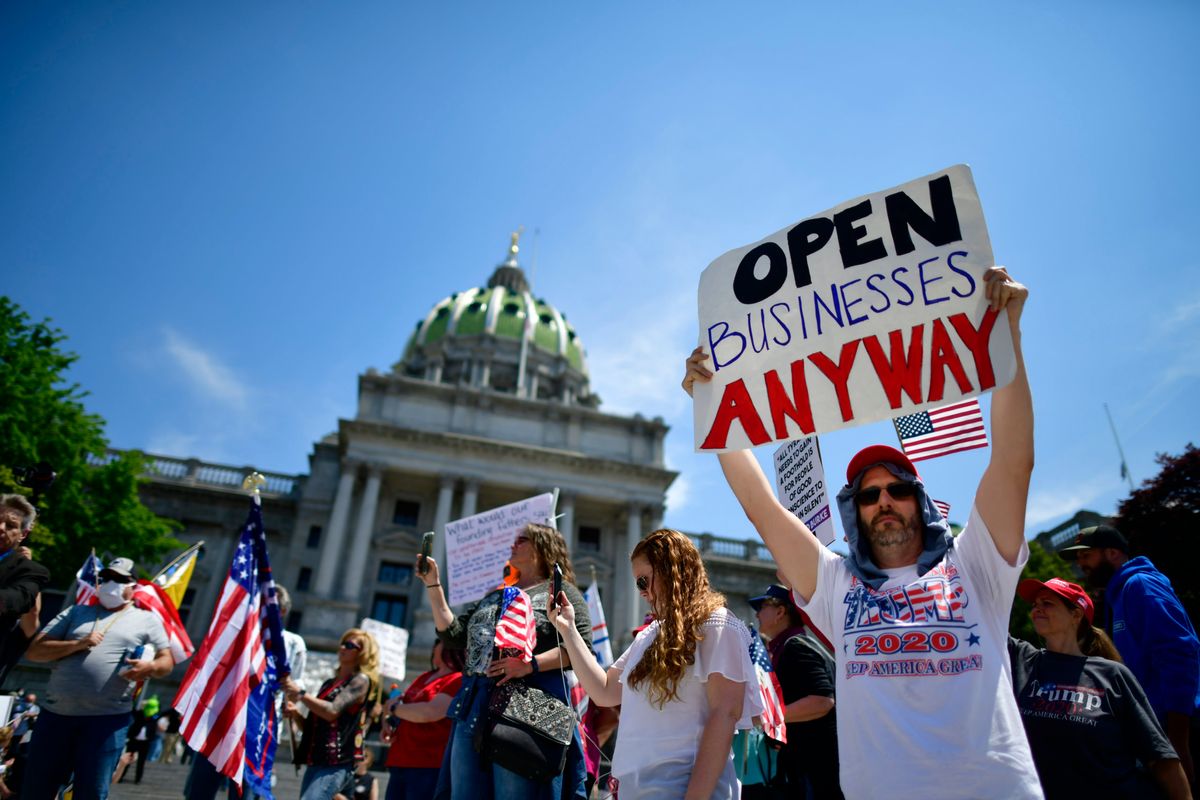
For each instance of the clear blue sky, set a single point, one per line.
(234, 209)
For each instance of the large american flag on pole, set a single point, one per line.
(941, 431)
(227, 696)
(772, 692)
(516, 626)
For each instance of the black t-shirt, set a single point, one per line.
(1089, 724)
(803, 669)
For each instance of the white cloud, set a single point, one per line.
(678, 494)
(1052, 503)
(205, 373)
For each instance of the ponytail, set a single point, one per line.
(1095, 642)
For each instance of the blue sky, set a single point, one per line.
(234, 209)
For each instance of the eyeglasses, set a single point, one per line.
(901, 490)
(643, 583)
(350, 645)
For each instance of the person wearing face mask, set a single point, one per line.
(98, 653)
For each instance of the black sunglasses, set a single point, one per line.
(349, 645)
(643, 583)
(901, 490)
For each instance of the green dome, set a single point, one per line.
(505, 327)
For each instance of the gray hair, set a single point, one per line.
(285, 601)
(19, 504)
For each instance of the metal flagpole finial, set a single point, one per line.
(254, 483)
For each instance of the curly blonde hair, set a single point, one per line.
(683, 600)
(368, 659)
(551, 548)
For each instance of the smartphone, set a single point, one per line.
(555, 587)
(426, 551)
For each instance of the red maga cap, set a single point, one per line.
(1073, 593)
(878, 454)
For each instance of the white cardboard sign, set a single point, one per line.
(478, 546)
(393, 647)
(800, 482)
(869, 311)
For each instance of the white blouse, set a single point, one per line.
(656, 748)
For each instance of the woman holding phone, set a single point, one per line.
(684, 685)
(535, 551)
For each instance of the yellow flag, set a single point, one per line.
(175, 576)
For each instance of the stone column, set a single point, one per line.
(634, 610)
(566, 507)
(356, 559)
(470, 498)
(331, 549)
(423, 633)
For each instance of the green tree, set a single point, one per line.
(1161, 520)
(94, 501)
(1042, 565)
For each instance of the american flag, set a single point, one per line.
(152, 598)
(600, 642)
(227, 696)
(943, 507)
(941, 431)
(515, 624)
(86, 580)
(768, 685)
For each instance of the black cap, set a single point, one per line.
(1097, 536)
(774, 592)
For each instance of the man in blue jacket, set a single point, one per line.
(1148, 625)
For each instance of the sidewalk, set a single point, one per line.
(165, 782)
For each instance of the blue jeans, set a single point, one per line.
(322, 783)
(87, 746)
(411, 783)
(465, 777)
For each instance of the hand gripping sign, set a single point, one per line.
(871, 310)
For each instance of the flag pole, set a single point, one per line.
(96, 587)
(1124, 467)
(179, 559)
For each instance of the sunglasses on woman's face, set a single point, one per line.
(643, 583)
(901, 490)
(349, 645)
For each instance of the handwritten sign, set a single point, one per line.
(800, 482)
(478, 546)
(393, 647)
(869, 311)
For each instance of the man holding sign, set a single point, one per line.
(918, 618)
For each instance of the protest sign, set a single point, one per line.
(800, 482)
(393, 647)
(869, 311)
(478, 546)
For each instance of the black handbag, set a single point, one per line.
(527, 731)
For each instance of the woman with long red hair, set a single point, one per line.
(684, 684)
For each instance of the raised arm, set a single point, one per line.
(792, 544)
(442, 615)
(604, 688)
(1004, 489)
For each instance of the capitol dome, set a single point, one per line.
(500, 337)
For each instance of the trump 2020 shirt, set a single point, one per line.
(924, 689)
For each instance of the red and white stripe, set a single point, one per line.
(152, 598)
(517, 628)
(943, 507)
(212, 697)
(956, 427)
(772, 697)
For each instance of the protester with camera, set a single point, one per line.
(21, 580)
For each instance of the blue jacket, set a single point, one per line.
(1155, 637)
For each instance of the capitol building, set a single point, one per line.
(489, 403)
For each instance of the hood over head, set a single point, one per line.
(937, 531)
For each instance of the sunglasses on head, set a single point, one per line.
(901, 490)
(349, 645)
(643, 583)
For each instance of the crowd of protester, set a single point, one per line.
(896, 674)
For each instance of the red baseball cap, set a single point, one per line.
(878, 454)
(1073, 593)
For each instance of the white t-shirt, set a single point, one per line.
(924, 687)
(656, 748)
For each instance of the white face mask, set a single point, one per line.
(111, 594)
